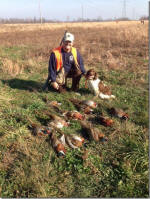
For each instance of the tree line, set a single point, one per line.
(43, 20)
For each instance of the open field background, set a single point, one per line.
(28, 165)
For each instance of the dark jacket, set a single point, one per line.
(68, 63)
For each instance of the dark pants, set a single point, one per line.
(75, 74)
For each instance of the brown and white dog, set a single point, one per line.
(97, 86)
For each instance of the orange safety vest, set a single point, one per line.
(58, 55)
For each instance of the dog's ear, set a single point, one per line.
(93, 73)
(95, 76)
(87, 74)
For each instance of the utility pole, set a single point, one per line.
(124, 9)
(40, 12)
(133, 14)
(82, 12)
(67, 18)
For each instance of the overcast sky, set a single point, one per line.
(73, 9)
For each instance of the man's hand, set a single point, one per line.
(55, 85)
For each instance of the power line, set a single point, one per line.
(40, 12)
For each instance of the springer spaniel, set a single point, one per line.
(97, 86)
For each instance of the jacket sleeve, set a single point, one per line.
(80, 62)
(52, 67)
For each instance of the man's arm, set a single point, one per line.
(80, 62)
(52, 67)
(52, 71)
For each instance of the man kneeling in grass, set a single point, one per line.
(65, 62)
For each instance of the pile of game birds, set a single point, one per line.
(84, 114)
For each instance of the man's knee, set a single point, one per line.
(73, 73)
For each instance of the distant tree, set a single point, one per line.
(143, 18)
(67, 18)
(34, 19)
(99, 18)
(123, 19)
(79, 19)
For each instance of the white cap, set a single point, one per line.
(68, 37)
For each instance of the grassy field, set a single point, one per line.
(28, 165)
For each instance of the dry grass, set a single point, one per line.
(109, 43)
(51, 26)
(11, 68)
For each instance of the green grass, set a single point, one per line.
(30, 168)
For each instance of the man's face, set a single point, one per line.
(67, 45)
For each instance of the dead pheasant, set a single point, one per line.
(58, 124)
(51, 103)
(53, 116)
(39, 130)
(89, 103)
(105, 121)
(74, 115)
(77, 103)
(119, 113)
(57, 145)
(55, 105)
(56, 120)
(74, 141)
(88, 110)
(86, 106)
(93, 133)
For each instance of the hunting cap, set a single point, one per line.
(68, 37)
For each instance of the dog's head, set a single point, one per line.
(91, 75)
